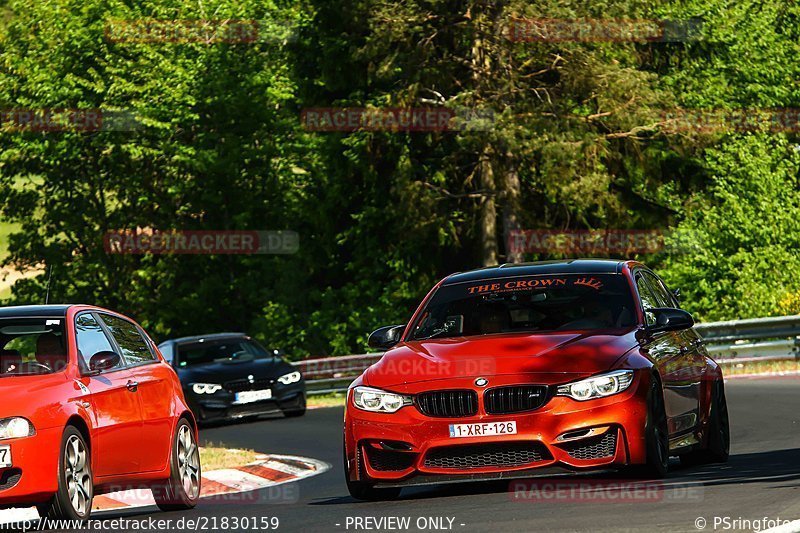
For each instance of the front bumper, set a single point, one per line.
(222, 405)
(409, 448)
(32, 477)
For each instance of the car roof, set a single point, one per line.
(31, 311)
(565, 266)
(208, 337)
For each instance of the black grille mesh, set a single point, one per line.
(494, 455)
(9, 478)
(241, 385)
(515, 399)
(594, 447)
(387, 460)
(448, 403)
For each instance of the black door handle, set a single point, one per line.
(132, 386)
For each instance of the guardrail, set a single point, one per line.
(728, 342)
(732, 341)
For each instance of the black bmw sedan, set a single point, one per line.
(230, 375)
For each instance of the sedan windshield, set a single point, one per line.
(527, 304)
(32, 346)
(223, 351)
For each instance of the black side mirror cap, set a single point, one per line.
(104, 360)
(670, 319)
(386, 337)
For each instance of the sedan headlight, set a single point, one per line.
(206, 388)
(14, 428)
(597, 386)
(288, 379)
(379, 401)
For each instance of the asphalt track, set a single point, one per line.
(762, 480)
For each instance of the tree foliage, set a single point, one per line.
(577, 141)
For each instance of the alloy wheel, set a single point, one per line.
(188, 462)
(76, 473)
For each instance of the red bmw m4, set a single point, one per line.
(527, 369)
(89, 406)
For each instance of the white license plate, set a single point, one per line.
(251, 396)
(5, 456)
(486, 429)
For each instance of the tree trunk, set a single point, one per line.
(482, 64)
(511, 195)
(488, 213)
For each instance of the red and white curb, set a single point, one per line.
(266, 471)
(240, 485)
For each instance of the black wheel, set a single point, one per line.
(300, 410)
(361, 490)
(656, 435)
(718, 444)
(73, 500)
(182, 489)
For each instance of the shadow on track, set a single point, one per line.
(759, 467)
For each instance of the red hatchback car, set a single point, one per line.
(524, 369)
(89, 406)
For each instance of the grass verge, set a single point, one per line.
(213, 457)
(761, 367)
(334, 399)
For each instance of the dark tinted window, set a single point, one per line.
(32, 346)
(220, 351)
(91, 338)
(663, 296)
(647, 297)
(530, 303)
(134, 347)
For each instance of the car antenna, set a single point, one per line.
(49, 277)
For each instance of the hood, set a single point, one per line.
(49, 390)
(551, 356)
(223, 372)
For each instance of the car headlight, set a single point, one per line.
(379, 401)
(14, 428)
(206, 388)
(597, 386)
(288, 379)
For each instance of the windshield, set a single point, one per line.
(223, 351)
(32, 346)
(530, 303)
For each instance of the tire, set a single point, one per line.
(73, 499)
(182, 489)
(296, 411)
(656, 436)
(361, 490)
(718, 445)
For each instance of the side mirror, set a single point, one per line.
(670, 319)
(103, 361)
(386, 337)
